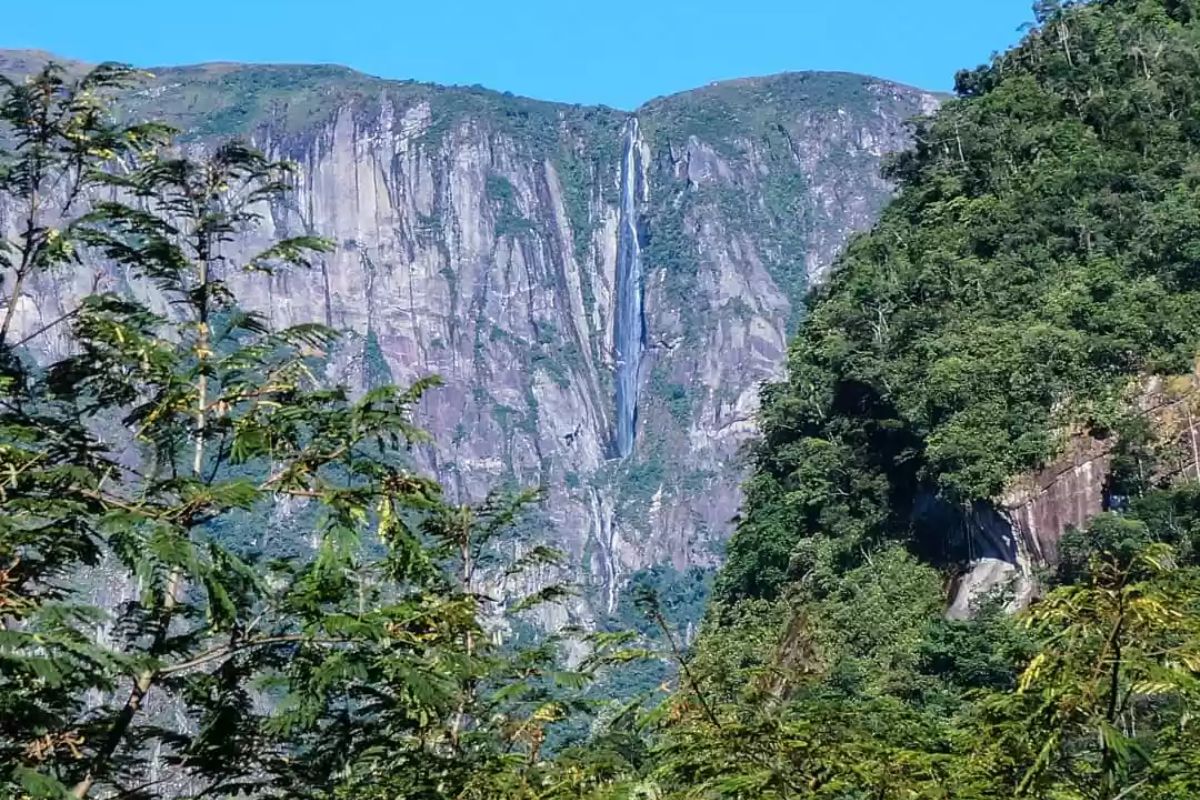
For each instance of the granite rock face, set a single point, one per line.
(1019, 534)
(479, 236)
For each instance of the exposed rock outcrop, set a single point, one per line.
(1020, 534)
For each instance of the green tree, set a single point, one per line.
(376, 666)
(58, 138)
(1104, 705)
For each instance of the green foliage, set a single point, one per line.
(756, 129)
(681, 596)
(870, 693)
(579, 175)
(503, 197)
(376, 372)
(724, 112)
(676, 397)
(1036, 261)
(223, 100)
(1107, 694)
(640, 480)
(556, 353)
(984, 652)
(61, 136)
(865, 624)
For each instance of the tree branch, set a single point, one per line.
(224, 651)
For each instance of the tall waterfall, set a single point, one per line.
(630, 328)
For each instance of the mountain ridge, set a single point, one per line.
(24, 60)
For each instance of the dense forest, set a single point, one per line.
(1036, 272)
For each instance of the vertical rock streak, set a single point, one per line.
(629, 329)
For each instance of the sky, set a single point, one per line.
(619, 53)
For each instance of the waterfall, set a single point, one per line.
(630, 327)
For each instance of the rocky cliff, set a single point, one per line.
(602, 291)
(1012, 540)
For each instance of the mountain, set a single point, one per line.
(602, 291)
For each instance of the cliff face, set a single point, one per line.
(602, 292)
(1014, 538)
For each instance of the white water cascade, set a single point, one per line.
(629, 331)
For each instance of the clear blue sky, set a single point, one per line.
(619, 52)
